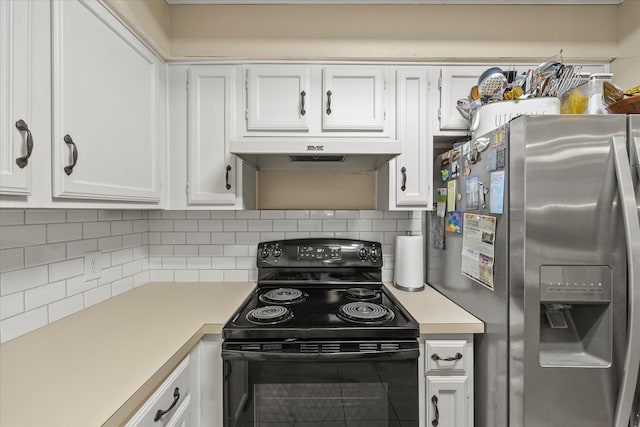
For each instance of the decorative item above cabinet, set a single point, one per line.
(308, 116)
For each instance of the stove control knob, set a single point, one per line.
(265, 253)
(363, 252)
(375, 254)
(277, 252)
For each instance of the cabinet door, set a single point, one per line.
(277, 98)
(352, 99)
(447, 401)
(15, 104)
(455, 83)
(413, 166)
(107, 98)
(211, 169)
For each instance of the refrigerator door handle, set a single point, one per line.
(632, 237)
(636, 161)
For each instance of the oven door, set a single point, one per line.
(321, 384)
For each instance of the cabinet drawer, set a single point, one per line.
(445, 355)
(163, 398)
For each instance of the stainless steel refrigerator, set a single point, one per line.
(549, 258)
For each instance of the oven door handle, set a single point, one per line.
(262, 356)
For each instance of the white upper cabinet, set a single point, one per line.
(413, 166)
(16, 140)
(353, 98)
(278, 98)
(107, 115)
(316, 101)
(456, 83)
(211, 169)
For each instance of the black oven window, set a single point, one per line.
(329, 394)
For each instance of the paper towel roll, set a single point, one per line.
(408, 262)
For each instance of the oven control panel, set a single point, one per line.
(319, 252)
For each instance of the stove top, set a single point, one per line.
(320, 289)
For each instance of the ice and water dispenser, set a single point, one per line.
(575, 316)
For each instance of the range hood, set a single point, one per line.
(325, 154)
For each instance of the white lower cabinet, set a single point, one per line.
(447, 381)
(191, 396)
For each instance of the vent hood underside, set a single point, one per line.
(342, 154)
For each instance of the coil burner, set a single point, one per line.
(362, 294)
(269, 315)
(365, 312)
(283, 296)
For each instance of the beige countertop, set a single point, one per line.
(98, 366)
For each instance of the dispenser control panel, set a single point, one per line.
(575, 283)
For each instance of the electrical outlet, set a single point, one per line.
(92, 266)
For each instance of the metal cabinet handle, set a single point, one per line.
(435, 356)
(436, 419)
(161, 413)
(328, 102)
(226, 178)
(69, 169)
(302, 110)
(24, 160)
(404, 178)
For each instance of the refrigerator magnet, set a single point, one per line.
(500, 153)
(445, 174)
(453, 222)
(455, 169)
(472, 197)
(466, 166)
(496, 195)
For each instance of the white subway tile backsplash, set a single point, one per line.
(11, 217)
(296, 214)
(66, 269)
(109, 215)
(235, 225)
(82, 215)
(95, 229)
(78, 248)
(119, 228)
(248, 238)
(17, 236)
(76, 285)
(203, 238)
(285, 225)
(110, 243)
(260, 225)
(310, 225)
(198, 214)
(96, 295)
(65, 307)
(186, 250)
(44, 254)
(174, 238)
(185, 225)
(211, 275)
(22, 323)
(11, 259)
(121, 286)
(63, 232)
(247, 214)
(185, 275)
(43, 295)
(358, 225)
(236, 276)
(272, 214)
(223, 214)
(45, 216)
(21, 280)
(210, 250)
(210, 225)
(42, 263)
(10, 305)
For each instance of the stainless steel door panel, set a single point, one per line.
(564, 211)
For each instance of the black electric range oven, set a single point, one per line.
(320, 342)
